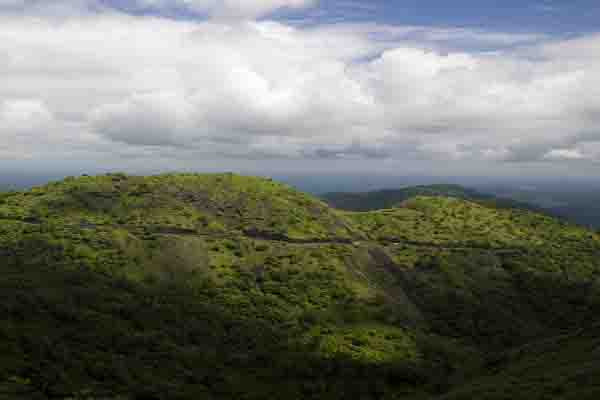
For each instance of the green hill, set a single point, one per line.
(228, 287)
(390, 198)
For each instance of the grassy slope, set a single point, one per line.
(390, 198)
(173, 287)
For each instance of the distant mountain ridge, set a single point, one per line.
(578, 203)
(390, 198)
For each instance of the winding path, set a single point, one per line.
(256, 234)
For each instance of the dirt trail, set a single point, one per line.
(255, 234)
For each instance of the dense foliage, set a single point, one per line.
(390, 198)
(221, 286)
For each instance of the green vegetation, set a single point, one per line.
(576, 203)
(221, 286)
(390, 198)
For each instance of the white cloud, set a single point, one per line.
(23, 116)
(28, 129)
(53, 8)
(227, 8)
(11, 3)
(117, 84)
(143, 119)
(219, 9)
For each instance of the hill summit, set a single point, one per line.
(390, 198)
(187, 286)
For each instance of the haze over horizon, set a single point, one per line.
(294, 87)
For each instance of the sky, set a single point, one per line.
(429, 87)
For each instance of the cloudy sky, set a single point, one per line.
(399, 86)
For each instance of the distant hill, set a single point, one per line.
(186, 286)
(382, 199)
(585, 212)
(579, 203)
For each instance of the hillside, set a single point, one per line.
(228, 287)
(576, 202)
(389, 198)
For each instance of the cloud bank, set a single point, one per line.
(102, 83)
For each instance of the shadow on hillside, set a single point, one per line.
(69, 333)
